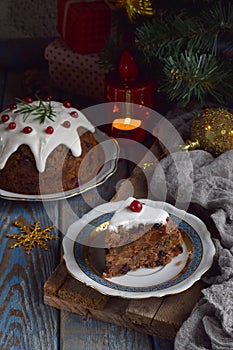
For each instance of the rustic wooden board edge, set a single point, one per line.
(162, 320)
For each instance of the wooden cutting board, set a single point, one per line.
(155, 316)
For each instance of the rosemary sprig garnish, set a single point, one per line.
(41, 111)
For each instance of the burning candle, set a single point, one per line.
(128, 127)
(126, 123)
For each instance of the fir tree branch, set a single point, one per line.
(219, 17)
(196, 76)
(160, 37)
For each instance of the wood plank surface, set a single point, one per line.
(2, 86)
(22, 309)
(22, 53)
(26, 322)
(90, 334)
(13, 87)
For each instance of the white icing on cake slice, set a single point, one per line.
(64, 126)
(124, 216)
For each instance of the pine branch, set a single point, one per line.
(187, 48)
(219, 17)
(41, 111)
(196, 76)
(160, 37)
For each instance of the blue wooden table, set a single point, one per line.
(26, 323)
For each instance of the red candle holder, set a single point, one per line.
(127, 85)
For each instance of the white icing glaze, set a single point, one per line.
(41, 143)
(124, 216)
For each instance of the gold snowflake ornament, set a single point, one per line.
(32, 236)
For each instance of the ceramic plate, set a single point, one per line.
(111, 151)
(84, 255)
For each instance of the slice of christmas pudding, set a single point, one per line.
(139, 236)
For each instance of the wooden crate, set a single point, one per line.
(154, 316)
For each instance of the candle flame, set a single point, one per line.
(127, 120)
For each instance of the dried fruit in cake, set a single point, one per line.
(140, 238)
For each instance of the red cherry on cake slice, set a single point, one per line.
(135, 206)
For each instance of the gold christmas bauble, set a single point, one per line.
(213, 130)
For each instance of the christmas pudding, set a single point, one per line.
(46, 147)
(140, 236)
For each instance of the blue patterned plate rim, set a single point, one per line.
(198, 262)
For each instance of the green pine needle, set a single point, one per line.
(186, 46)
(195, 76)
(161, 36)
(42, 111)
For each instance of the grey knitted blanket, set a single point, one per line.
(210, 325)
